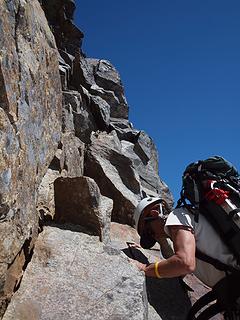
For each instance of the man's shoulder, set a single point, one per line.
(180, 216)
(183, 210)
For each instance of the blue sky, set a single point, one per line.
(179, 62)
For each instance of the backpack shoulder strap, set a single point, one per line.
(226, 292)
(209, 312)
(182, 203)
(214, 262)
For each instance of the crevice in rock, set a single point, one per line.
(140, 152)
(77, 77)
(69, 226)
(17, 20)
(55, 164)
(148, 183)
(4, 302)
(123, 165)
(4, 103)
(15, 273)
(44, 219)
(4, 209)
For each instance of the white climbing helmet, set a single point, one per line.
(141, 206)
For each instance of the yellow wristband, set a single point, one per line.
(156, 270)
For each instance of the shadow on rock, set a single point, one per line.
(135, 254)
(168, 297)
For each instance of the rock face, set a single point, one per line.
(77, 277)
(68, 156)
(30, 121)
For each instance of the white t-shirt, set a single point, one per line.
(207, 241)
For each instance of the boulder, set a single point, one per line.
(114, 174)
(74, 276)
(79, 201)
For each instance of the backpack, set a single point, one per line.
(213, 187)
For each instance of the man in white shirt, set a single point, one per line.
(186, 235)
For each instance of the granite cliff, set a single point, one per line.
(72, 169)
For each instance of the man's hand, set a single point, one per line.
(139, 265)
(133, 244)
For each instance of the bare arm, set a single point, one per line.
(183, 261)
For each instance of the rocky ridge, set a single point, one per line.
(72, 165)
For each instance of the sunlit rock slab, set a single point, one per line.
(74, 276)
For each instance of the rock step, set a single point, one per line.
(74, 276)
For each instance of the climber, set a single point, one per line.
(150, 220)
(153, 221)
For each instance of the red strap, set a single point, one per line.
(217, 195)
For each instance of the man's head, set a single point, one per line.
(149, 218)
